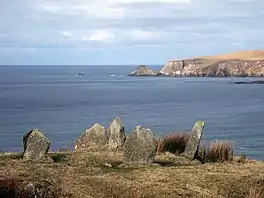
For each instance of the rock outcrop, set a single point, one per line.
(116, 134)
(193, 142)
(238, 64)
(36, 145)
(94, 137)
(250, 82)
(143, 70)
(140, 147)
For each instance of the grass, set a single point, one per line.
(256, 192)
(79, 177)
(174, 143)
(218, 151)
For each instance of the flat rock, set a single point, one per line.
(94, 137)
(36, 145)
(169, 159)
(116, 134)
(194, 140)
(140, 147)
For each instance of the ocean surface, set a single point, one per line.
(63, 105)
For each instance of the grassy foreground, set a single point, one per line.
(89, 174)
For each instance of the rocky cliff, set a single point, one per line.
(205, 67)
(244, 63)
(143, 70)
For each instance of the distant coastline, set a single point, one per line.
(237, 64)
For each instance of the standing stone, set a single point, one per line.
(116, 134)
(95, 137)
(194, 140)
(140, 147)
(36, 145)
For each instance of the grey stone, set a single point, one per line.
(94, 137)
(194, 140)
(140, 147)
(36, 145)
(169, 159)
(116, 134)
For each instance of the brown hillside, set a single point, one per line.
(241, 55)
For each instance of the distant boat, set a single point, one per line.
(80, 74)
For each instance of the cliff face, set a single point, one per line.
(242, 63)
(208, 67)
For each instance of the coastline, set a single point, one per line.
(237, 64)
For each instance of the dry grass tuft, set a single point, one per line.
(220, 151)
(256, 192)
(173, 143)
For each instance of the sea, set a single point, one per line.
(62, 105)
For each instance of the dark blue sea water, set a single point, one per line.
(63, 105)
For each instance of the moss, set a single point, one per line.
(199, 124)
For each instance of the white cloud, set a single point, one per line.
(66, 34)
(101, 35)
(103, 8)
(154, 1)
(138, 34)
(127, 22)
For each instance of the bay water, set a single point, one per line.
(63, 105)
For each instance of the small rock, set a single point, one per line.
(36, 145)
(140, 147)
(116, 134)
(194, 140)
(95, 137)
(108, 165)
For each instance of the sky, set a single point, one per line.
(119, 32)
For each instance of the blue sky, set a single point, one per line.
(92, 32)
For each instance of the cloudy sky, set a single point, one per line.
(89, 32)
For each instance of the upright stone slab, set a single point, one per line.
(140, 147)
(116, 134)
(95, 137)
(194, 140)
(36, 145)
